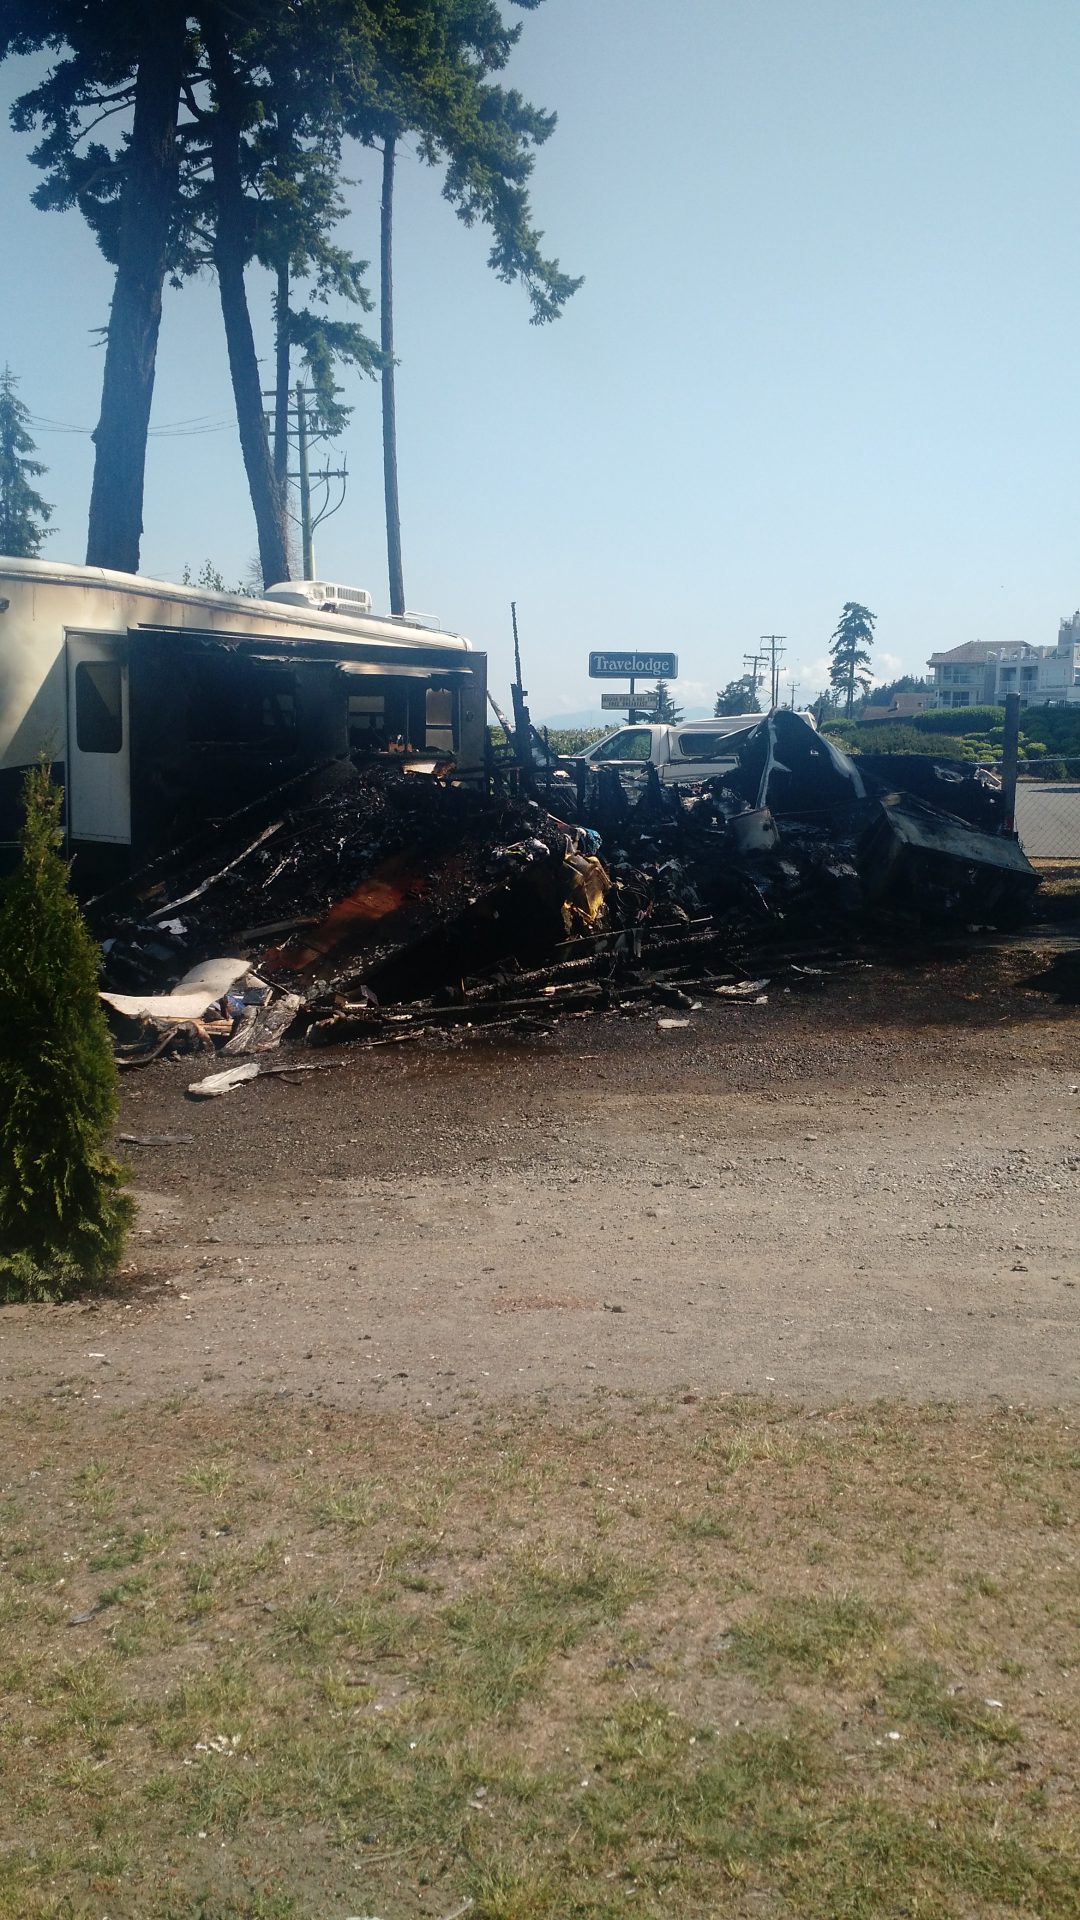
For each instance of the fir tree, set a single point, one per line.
(739, 696)
(24, 515)
(850, 648)
(63, 1214)
(665, 707)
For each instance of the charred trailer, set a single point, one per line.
(163, 708)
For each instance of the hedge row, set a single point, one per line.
(1056, 730)
(1049, 738)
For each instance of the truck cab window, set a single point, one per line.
(99, 706)
(634, 743)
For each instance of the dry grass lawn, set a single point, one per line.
(700, 1659)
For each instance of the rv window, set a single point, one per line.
(278, 711)
(439, 718)
(367, 718)
(99, 706)
(240, 703)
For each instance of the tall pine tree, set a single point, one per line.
(850, 649)
(426, 70)
(114, 59)
(229, 120)
(24, 515)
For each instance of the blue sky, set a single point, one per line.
(826, 348)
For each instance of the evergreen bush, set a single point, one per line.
(63, 1211)
(1050, 734)
(884, 736)
(958, 719)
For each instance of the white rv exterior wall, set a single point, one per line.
(47, 600)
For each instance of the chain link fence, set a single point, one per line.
(1048, 808)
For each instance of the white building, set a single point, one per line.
(980, 674)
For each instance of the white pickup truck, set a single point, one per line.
(691, 750)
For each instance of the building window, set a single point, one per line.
(99, 706)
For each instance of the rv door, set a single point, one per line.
(99, 739)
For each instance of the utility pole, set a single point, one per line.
(522, 723)
(754, 662)
(776, 653)
(305, 483)
(308, 433)
(389, 402)
(1010, 756)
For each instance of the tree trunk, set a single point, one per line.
(230, 257)
(389, 412)
(283, 369)
(116, 498)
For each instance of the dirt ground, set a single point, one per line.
(866, 1191)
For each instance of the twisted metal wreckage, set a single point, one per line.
(364, 902)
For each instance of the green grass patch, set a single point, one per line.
(498, 1643)
(808, 1635)
(918, 1694)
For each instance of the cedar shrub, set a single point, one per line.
(63, 1211)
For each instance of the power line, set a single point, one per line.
(184, 433)
(173, 429)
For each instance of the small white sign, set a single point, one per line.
(618, 702)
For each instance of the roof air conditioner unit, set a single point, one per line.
(321, 596)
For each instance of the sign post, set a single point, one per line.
(635, 666)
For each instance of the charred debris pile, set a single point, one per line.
(372, 903)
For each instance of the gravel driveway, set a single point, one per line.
(870, 1191)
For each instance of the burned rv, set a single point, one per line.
(163, 707)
